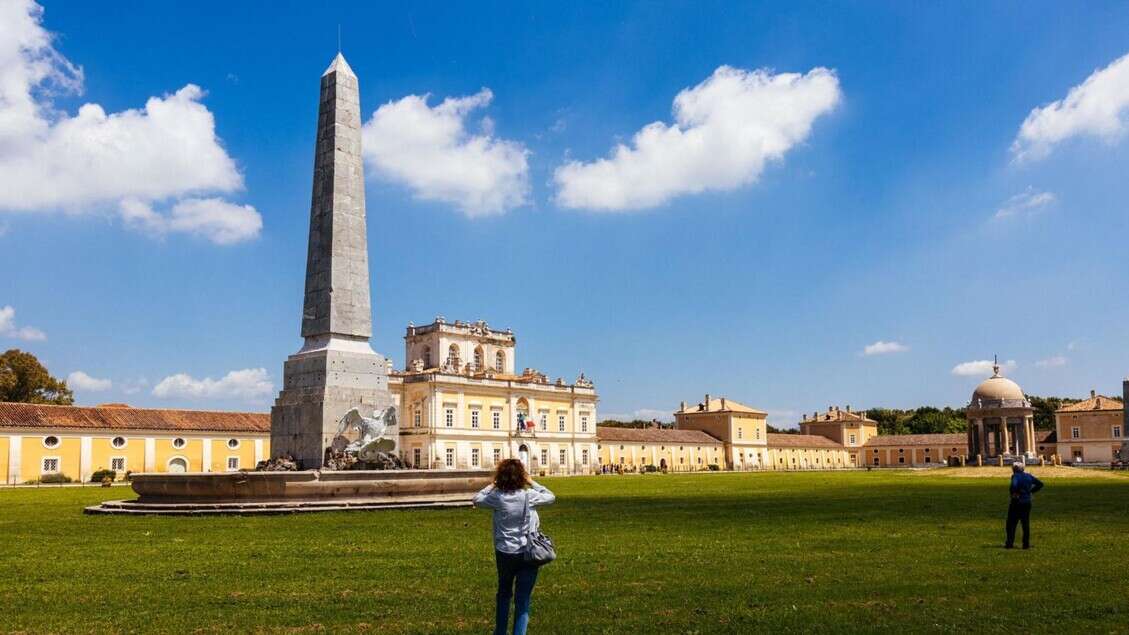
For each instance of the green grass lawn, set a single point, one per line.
(672, 554)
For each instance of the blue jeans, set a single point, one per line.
(513, 571)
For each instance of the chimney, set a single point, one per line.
(1093, 393)
(707, 402)
(848, 408)
(1125, 407)
(805, 416)
(723, 403)
(682, 407)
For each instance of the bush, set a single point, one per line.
(714, 467)
(128, 475)
(650, 469)
(55, 478)
(101, 474)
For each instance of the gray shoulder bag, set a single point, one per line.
(539, 550)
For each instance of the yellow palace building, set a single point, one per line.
(41, 440)
(462, 405)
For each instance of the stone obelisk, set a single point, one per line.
(336, 369)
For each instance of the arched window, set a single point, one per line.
(453, 356)
(500, 362)
(427, 357)
(479, 358)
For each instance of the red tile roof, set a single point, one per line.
(669, 436)
(117, 417)
(779, 440)
(895, 440)
(1097, 402)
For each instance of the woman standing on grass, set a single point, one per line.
(512, 492)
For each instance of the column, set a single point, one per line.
(207, 456)
(258, 451)
(460, 416)
(15, 458)
(84, 459)
(150, 454)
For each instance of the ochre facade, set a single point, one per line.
(1091, 431)
(467, 409)
(41, 440)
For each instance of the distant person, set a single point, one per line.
(512, 491)
(1023, 486)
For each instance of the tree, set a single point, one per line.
(635, 423)
(23, 379)
(1045, 409)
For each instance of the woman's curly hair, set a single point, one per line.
(510, 476)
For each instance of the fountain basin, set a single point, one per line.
(295, 492)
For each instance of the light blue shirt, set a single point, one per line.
(509, 514)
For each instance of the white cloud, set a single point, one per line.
(1052, 362)
(884, 348)
(429, 150)
(1098, 107)
(248, 384)
(51, 161)
(219, 221)
(79, 380)
(1026, 202)
(8, 327)
(980, 367)
(725, 130)
(135, 386)
(644, 414)
(783, 419)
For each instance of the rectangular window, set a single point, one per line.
(1075, 433)
(497, 455)
(474, 418)
(450, 457)
(564, 457)
(418, 418)
(740, 433)
(584, 456)
(876, 460)
(416, 457)
(584, 423)
(474, 457)
(544, 422)
(1117, 432)
(50, 465)
(560, 423)
(852, 439)
(496, 418)
(117, 463)
(450, 417)
(544, 457)
(232, 463)
(757, 433)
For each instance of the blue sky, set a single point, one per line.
(906, 200)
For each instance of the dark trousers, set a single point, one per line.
(1018, 512)
(513, 573)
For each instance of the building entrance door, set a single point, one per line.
(523, 455)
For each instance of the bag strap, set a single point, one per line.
(525, 515)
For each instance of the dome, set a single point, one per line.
(997, 388)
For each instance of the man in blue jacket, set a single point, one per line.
(1023, 486)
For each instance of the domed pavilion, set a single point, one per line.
(1001, 421)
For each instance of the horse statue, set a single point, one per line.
(368, 440)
